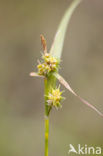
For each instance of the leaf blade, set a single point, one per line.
(57, 46)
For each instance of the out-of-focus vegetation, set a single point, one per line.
(21, 97)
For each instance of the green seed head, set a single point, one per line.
(55, 97)
(43, 69)
(50, 59)
(50, 64)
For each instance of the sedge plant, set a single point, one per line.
(48, 69)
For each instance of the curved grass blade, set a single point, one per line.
(57, 46)
(63, 82)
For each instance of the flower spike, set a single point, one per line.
(48, 65)
(54, 97)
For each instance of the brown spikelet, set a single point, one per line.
(43, 42)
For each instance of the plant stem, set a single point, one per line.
(46, 135)
(48, 82)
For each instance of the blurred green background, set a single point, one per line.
(21, 97)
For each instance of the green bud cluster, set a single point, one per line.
(55, 97)
(50, 64)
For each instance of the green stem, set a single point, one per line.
(46, 135)
(49, 82)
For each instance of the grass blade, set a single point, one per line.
(57, 46)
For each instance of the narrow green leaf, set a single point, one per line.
(57, 45)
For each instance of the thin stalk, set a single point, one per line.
(46, 135)
(48, 82)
